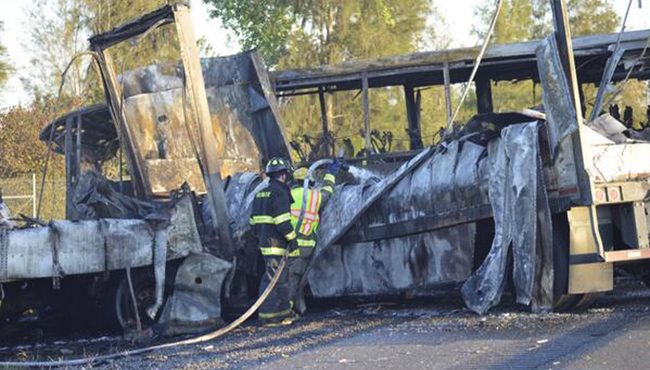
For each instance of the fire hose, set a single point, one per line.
(202, 338)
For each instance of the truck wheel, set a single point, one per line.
(566, 302)
(585, 301)
(562, 301)
(118, 307)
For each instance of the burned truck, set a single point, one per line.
(565, 199)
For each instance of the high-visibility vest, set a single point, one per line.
(311, 218)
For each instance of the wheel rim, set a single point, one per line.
(145, 297)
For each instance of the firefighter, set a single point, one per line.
(306, 236)
(271, 221)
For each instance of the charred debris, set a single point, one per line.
(190, 139)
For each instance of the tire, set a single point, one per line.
(566, 302)
(118, 307)
(562, 301)
(585, 301)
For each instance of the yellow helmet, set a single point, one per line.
(300, 174)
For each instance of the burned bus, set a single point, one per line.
(564, 198)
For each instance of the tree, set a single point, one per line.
(590, 17)
(528, 20)
(5, 66)
(56, 38)
(299, 33)
(333, 29)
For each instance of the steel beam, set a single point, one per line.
(323, 114)
(366, 112)
(413, 116)
(445, 72)
(212, 139)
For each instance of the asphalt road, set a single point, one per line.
(436, 334)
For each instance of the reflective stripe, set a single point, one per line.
(271, 251)
(255, 220)
(282, 218)
(329, 177)
(312, 202)
(307, 217)
(311, 217)
(328, 189)
(290, 236)
(274, 251)
(306, 243)
(306, 227)
(272, 315)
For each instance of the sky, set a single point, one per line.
(14, 37)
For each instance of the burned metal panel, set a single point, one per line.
(519, 203)
(195, 305)
(133, 28)
(183, 235)
(609, 127)
(620, 162)
(238, 103)
(241, 95)
(556, 95)
(239, 194)
(132, 238)
(447, 181)
(81, 247)
(416, 263)
(161, 135)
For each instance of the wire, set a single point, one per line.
(476, 65)
(622, 86)
(49, 141)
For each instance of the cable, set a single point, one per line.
(52, 129)
(476, 65)
(622, 86)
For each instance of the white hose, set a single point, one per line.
(199, 339)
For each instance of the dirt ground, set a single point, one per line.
(436, 333)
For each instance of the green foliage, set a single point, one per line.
(524, 20)
(56, 37)
(22, 152)
(330, 31)
(262, 25)
(5, 66)
(589, 17)
(299, 34)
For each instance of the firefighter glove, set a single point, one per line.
(334, 167)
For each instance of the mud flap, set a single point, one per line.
(195, 304)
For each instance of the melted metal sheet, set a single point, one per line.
(519, 204)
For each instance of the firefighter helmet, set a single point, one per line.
(277, 164)
(300, 174)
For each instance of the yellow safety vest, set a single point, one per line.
(311, 218)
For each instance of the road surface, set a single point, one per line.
(435, 334)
